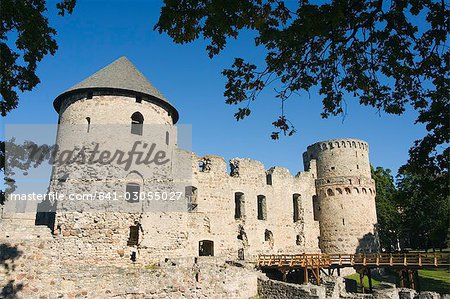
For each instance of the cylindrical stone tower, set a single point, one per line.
(346, 195)
(121, 122)
(118, 166)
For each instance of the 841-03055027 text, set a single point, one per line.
(114, 196)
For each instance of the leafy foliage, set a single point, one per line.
(387, 54)
(25, 38)
(424, 203)
(387, 208)
(415, 213)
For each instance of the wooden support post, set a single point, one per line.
(318, 275)
(284, 272)
(402, 279)
(411, 279)
(416, 275)
(305, 275)
(369, 276)
(361, 280)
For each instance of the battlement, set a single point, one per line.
(338, 143)
(339, 157)
(244, 169)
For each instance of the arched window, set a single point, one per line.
(268, 237)
(330, 192)
(356, 190)
(239, 205)
(133, 187)
(269, 179)
(339, 190)
(191, 197)
(167, 138)
(316, 207)
(296, 206)
(262, 208)
(88, 122)
(347, 190)
(364, 190)
(137, 121)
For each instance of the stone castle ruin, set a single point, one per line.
(233, 210)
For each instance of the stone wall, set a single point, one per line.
(277, 231)
(35, 264)
(273, 289)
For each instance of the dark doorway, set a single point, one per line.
(206, 248)
(133, 239)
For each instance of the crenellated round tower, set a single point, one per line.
(346, 195)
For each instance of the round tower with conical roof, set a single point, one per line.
(117, 118)
(346, 195)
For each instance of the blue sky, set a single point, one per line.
(98, 32)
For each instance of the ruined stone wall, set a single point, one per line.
(278, 232)
(273, 289)
(346, 195)
(35, 264)
(172, 231)
(278, 212)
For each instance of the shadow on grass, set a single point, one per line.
(430, 284)
(429, 280)
(8, 254)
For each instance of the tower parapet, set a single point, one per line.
(346, 194)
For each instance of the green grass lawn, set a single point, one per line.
(436, 280)
(355, 277)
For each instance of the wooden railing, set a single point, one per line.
(416, 260)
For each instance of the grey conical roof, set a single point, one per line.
(119, 75)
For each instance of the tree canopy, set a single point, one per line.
(387, 54)
(387, 209)
(424, 205)
(25, 38)
(414, 212)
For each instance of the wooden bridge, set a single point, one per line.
(406, 264)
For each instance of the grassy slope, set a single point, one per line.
(436, 280)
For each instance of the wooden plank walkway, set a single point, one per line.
(406, 264)
(373, 260)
